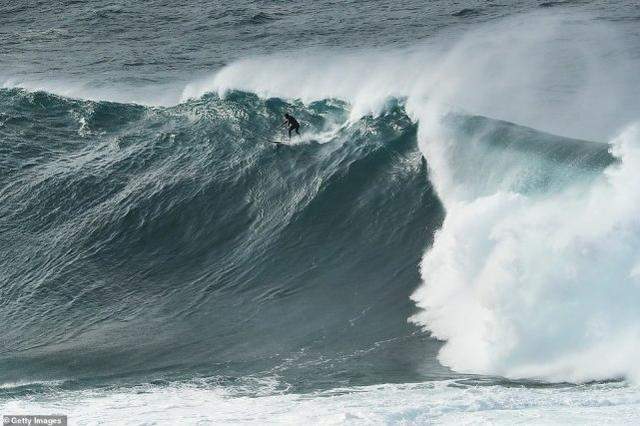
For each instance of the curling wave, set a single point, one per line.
(163, 243)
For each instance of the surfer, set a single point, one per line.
(292, 123)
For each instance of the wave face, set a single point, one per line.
(181, 241)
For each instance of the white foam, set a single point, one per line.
(530, 286)
(443, 402)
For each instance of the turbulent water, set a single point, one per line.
(454, 237)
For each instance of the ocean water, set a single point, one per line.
(453, 239)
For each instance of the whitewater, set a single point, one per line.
(455, 238)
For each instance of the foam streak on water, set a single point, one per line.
(446, 402)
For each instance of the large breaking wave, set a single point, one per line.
(534, 273)
(178, 241)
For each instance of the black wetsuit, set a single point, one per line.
(293, 125)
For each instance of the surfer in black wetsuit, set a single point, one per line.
(292, 123)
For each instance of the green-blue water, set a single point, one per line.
(154, 239)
